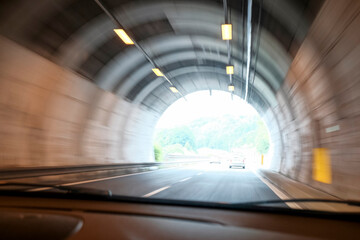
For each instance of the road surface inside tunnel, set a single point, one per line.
(215, 183)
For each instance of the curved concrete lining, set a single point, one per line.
(272, 59)
(92, 35)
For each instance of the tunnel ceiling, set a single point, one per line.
(181, 37)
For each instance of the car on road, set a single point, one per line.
(238, 161)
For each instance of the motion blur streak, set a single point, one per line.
(72, 93)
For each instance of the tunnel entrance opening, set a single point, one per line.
(213, 126)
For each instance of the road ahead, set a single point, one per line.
(215, 184)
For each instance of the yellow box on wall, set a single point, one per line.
(322, 165)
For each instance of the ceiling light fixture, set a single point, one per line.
(231, 87)
(229, 69)
(226, 30)
(158, 72)
(122, 34)
(174, 89)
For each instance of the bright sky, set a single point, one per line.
(201, 104)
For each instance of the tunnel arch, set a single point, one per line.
(61, 114)
(98, 29)
(192, 54)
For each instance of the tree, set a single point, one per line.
(174, 149)
(158, 153)
(222, 133)
(262, 139)
(178, 135)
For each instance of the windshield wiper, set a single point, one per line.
(66, 189)
(348, 202)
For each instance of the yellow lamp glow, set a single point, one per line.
(122, 34)
(158, 72)
(231, 87)
(226, 30)
(173, 89)
(229, 69)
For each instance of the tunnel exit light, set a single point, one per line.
(231, 87)
(158, 72)
(226, 30)
(229, 69)
(174, 89)
(122, 34)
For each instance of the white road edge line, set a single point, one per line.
(156, 191)
(277, 191)
(87, 181)
(185, 179)
(199, 173)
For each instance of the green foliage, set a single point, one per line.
(179, 135)
(262, 139)
(158, 153)
(173, 149)
(223, 133)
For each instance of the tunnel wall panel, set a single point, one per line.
(50, 116)
(323, 90)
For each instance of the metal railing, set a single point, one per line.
(27, 172)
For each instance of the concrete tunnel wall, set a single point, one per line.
(323, 94)
(51, 116)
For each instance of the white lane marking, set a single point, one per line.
(199, 173)
(156, 191)
(185, 179)
(87, 181)
(277, 191)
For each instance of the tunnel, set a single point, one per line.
(72, 93)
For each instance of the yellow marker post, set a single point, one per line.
(262, 159)
(322, 165)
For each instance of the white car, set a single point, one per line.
(237, 161)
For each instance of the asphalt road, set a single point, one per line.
(213, 183)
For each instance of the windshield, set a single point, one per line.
(225, 102)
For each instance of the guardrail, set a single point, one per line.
(27, 172)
